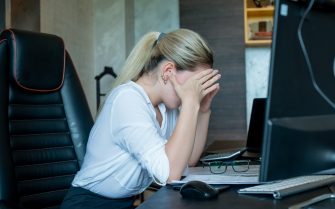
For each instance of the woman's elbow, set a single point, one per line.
(174, 177)
(192, 163)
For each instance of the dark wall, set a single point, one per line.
(2, 14)
(220, 22)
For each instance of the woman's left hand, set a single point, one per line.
(212, 82)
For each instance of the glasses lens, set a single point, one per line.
(241, 165)
(217, 167)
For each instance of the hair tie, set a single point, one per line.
(161, 35)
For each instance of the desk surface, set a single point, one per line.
(167, 198)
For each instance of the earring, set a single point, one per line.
(164, 79)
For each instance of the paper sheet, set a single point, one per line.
(229, 177)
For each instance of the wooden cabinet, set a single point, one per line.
(258, 24)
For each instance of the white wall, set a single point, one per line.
(257, 61)
(109, 29)
(73, 21)
(119, 24)
(155, 15)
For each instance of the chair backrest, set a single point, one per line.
(44, 119)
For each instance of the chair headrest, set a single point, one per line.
(37, 60)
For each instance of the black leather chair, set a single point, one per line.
(44, 120)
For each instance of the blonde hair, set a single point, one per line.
(184, 47)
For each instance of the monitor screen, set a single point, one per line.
(299, 135)
(256, 126)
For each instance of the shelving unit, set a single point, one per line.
(253, 14)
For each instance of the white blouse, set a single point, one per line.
(126, 147)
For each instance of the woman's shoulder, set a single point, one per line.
(129, 91)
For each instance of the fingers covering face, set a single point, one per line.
(209, 80)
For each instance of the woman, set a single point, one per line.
(153, 123)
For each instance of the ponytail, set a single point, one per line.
(137, 59)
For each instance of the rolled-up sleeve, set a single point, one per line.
(134, 127)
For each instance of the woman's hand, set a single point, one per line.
(205, 104)
(199, 88)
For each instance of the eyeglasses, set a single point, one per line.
(218, 167)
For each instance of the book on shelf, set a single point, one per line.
(261, 38)
(261, 35)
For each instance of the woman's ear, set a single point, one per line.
(167, 69)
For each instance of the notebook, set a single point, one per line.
(254, 137)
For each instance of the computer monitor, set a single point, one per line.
(299, 136)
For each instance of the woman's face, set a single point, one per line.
(171, 99)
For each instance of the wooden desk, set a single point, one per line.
(166, 198)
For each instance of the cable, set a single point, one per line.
(309, 66)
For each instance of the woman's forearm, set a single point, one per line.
(200, 137)
(180, 146)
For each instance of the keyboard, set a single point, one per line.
(222, 155)
(290, 186)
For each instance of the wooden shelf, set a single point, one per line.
(253, 14)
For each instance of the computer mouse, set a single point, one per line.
(198, 190)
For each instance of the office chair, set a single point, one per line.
(44, 120)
